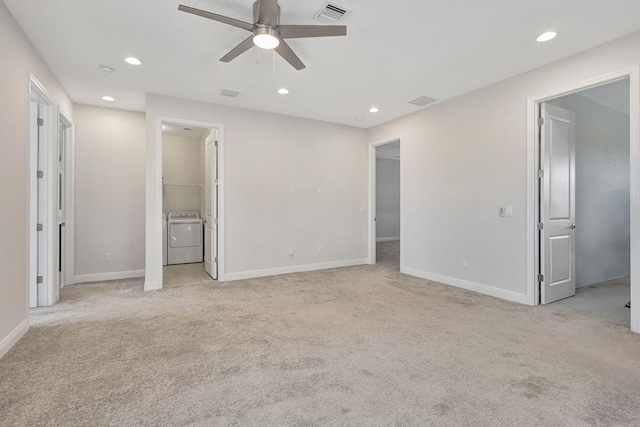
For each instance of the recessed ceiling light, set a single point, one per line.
(188, 129)
(106, 69)
(545, 37)
(108, 98)
(373, 110)
(283, 91)
(358, 118)
(133, 61)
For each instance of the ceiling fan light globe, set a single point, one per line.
(265, 38)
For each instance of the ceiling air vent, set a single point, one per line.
(422, 101)
(332, 12)
(229, 93)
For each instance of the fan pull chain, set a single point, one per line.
(274, 63)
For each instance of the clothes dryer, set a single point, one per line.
(184, 238)
(164, 238)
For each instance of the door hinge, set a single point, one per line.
(215, 221)
(40, 174)
(216, 144)
(40, 122)
(216, 181)
(38, 227)
(540, 173)
(215, 259)
(39, 279)
(540, 277)
(540, 121)
(541, 226)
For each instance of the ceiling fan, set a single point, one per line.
(267, 31)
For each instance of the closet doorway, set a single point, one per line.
(385, 184)
(190, 203)
(579, 176)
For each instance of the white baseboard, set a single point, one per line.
(601, 281)
(100, 277)
(152, 286)
(14, 336)
(387, 239)
(470, 286)
(292, 269)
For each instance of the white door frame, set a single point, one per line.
(47, 291)
(157, 185)
(371, 256)
(533, 164)
(69, 198)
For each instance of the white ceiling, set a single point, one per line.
(389, 151)
(613, 95)
(395, 51)
(187, 132)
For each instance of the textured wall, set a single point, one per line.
(387, 198)
(110, 188)
(19, 59)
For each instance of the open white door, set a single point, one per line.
(34, 256)
(557, 204)
(211, 208)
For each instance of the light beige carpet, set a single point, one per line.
(361, 346)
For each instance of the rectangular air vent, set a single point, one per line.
(230, 93)
(422, 101)
(332, 12)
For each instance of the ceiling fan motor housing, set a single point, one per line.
(269, 19)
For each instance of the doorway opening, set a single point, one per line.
(65, 201)
(385, 178)
(586, 196)
(43, 226)
(190, 203)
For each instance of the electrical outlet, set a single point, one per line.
(320, 190)
(464, 263)
(290, 251)
(107, 256)
(320, 249)
(290, 190)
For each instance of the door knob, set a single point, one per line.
(573, 226)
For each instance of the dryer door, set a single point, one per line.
(184, 235)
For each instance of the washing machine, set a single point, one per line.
(164, 238)
(184, 244)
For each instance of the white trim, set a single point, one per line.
(102, 277)
(153, 263)
(14, 336)
(465, 284)
(532, 253)
(372, 238)
(387, 239)
(69, 211)
(294, 269)
(47, 291)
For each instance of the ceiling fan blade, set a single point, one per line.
(214, 16)
(289, 55)
(267, 13)
(238, 50)
(299, 31)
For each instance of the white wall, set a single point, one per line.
(182, 172)
(110, 193)
(387, 199)
(602, 190)
(464, 158)
(264, 155)
(18, 59)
